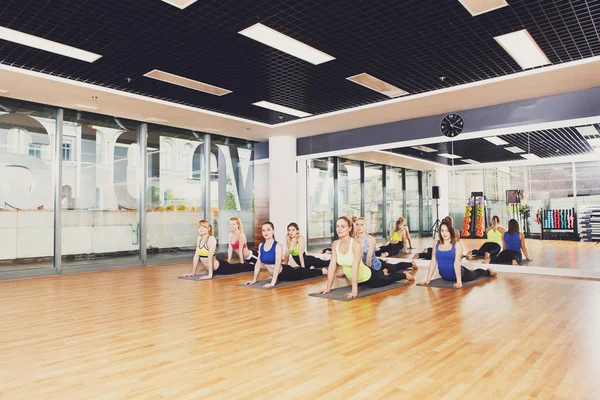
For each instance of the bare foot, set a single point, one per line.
(514, 262)
(414, 265)
(410, 278)
(385, 272)
(312, 267)
(487, 259)
(416, 256)
(384, 254)
(492, 272)
(325, 271)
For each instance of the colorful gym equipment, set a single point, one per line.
(559, 224)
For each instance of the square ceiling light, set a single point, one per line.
(279, 41)
(186, 82)
(469, 161)
(514, 149)
(450, 156)
(477, 7)
(156, 120)
(530, 156)
(425, 149)
(25, 39)
(281, 109)
(496, 140)
(84, 107)
(587, 131)
(376, 84)
(523, 49)
(181, 4)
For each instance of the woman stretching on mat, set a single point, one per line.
(238, 241)
(347, 253)
(513, 242)
(206, 245)
(427, 253)
(447, 257)
(296, 246)
(269, 256)
(368, 257)
(494, 240)
(399, 239)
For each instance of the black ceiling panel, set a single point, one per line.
(409, 43)
(547, 143)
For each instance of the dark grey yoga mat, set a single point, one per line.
(215, 276)
(340, 293)
(259, 284)
(441, 283)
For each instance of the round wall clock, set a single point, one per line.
(452, 125)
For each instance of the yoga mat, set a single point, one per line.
(215, 276)
(340, 293)
(441, 283)
(259, 284)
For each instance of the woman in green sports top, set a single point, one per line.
(296, 247)
(494, 240)
(400, 241)
(347, 252)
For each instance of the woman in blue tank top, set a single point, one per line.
(513, 242)
(447, 256)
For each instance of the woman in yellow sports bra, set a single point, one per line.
(347, 252)
(206, 245)
(400, 241)
(493, 245)
(296, 247)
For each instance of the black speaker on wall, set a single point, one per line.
(435, 192)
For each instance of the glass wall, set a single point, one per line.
(100, 189)
(395, 197)
(26, 191)
(320, 198)
(374, 199)
(412, 200)
(349, 188)
(428, 202)
(102, 179)
(587, 180)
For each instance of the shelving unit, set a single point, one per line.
(559, 224)
(589, 224)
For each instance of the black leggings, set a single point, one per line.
(378, 279)
(310, 261)
(395, 266)
(391, 249)
(297, 274)
(488, 247)
(470, 275)
(427, 255)
(507, 256)
(226, 268)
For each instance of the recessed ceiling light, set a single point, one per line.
(469, 161)
(377, 85)
(211, 130)
(477, 7)
(283, 109)
(279, 41)
(186, 82)
(447, 155)
(530, 156)
(514, 149)
(181, 4)
(84, 107)
(157, 120)
(496, 140)
(523, 49)
(587, 131)
(425, 149)
(25, 39)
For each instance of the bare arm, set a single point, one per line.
(357, 250)
(408, 238)
(503, 242)
(457, 267)
(432, 265)
(257, 266)
(524, 247)
(229, 250)
(331, 269)
(277, 267)
(371, 241)
(210, 261)
(240, 249)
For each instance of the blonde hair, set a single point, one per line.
(207, 225)
(399, 223)
(238, 222)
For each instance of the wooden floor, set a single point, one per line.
(142, 333)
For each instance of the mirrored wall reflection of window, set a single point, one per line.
(100, 216)
(320, 198)
(232, 187)
(349, 188)
(428, 202)
(374, 199)
(26, 193)
(587, 180)
(174, 198)
(412, 200)
(395, 197)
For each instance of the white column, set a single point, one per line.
(441, 178)
(283, 187)
(302, 180)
